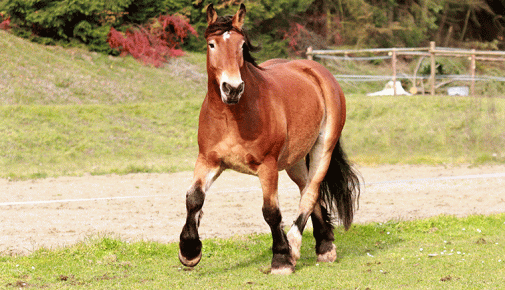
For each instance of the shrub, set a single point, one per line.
(153, 42)
(5, 21)
(91, 22)
(62, 21)
(300, 38)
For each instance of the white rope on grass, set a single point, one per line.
(434, 179)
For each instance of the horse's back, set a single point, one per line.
(306, 69)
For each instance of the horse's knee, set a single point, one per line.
(195, 198)
(272, 216)
(274, 220)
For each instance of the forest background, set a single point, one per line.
(282, 27)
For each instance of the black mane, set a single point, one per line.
(224, 24)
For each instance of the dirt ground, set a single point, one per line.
(61, 211)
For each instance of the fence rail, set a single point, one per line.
(432, 52)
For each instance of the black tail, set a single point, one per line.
(339, 191)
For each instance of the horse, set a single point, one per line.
(262, 119)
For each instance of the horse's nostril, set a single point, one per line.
(226, 88)
(241, 88)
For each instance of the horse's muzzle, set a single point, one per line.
(231, 94)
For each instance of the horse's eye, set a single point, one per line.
(211, 45)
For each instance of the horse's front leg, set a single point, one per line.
(282, 262)
(190, 246)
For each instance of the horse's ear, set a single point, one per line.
(239, 18)
(211, 14)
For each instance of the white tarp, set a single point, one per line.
(389, 90)
(457, 91)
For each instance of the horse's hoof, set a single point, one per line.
(329, 256)
(282, 264)
(190, 262)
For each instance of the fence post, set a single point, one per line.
(393, 60)
(433, 67)
(472, 73)
(309, 53)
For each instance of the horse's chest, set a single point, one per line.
(239, 157)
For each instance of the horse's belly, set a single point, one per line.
(239, 164)
(296, 150)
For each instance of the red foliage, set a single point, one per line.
(153, 42)
(298, 37)
(5, 23)
(294, 34)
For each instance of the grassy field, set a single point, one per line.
(425, 130)
(436, 253)
(72, 112)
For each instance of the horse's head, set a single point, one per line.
(225, 53)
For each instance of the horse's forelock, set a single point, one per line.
(224, 24)
(220, 26)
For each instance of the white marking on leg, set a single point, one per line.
(198, 218)
(210, 178)
(295, 242)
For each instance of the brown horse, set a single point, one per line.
(260, 119)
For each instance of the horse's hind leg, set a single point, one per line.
(323, 229)
(190, 246)
(320, 157)
(299, 173)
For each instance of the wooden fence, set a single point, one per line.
(432, 52)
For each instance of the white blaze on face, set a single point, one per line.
(226, 35)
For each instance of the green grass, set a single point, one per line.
(437, 253)
(55, 140)
(42, 141)
(47, 75)
(72, 112)
(425, 130)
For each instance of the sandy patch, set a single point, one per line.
(61, 211)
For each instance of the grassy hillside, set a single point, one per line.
(425, 130)
(71, 112)
(47, 75)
